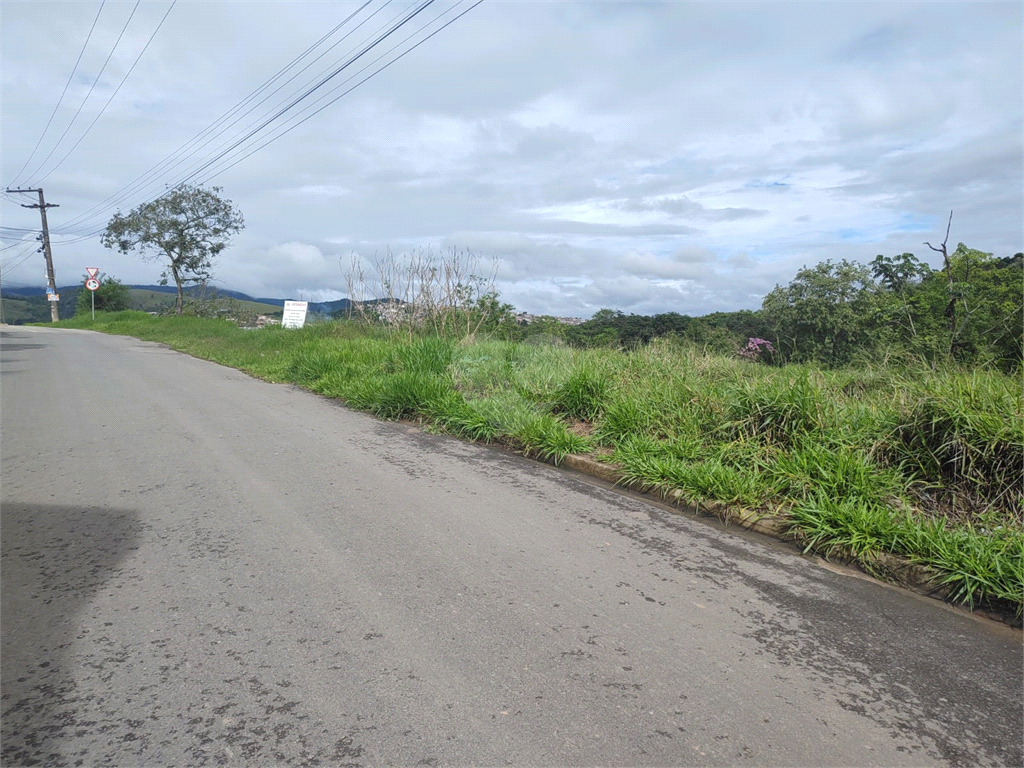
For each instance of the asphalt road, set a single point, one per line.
(199, 568)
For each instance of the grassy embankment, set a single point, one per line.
(917, 462)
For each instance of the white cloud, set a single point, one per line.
(645, 157)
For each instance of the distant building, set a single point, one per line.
(525, 318)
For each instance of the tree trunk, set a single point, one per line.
(951, 307)
(179, 302)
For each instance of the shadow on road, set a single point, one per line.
(53, 560)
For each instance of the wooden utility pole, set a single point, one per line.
(51, 278)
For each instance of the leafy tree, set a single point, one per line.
(726, 332)
(187, 228)
(823, 314)
(671, 323)
(905, 316)
(988, 295)
(111, 296)
(599, 331)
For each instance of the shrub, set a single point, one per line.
(583, 395)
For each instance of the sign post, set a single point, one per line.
(93, 285)
(294, 314)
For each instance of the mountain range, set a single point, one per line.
(315, 307)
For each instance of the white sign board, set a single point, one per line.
(92, 271)
(294, 314)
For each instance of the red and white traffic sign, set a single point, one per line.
(92, 284)
(92, 272)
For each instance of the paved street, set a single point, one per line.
(199, 568)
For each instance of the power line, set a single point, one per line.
(62, 94)
(104, 108)
(93, 86)
(144, 178)
(423, 6)
(27, 254)
(237, 143)
(349, 90)
(389, 29)
(231, 152)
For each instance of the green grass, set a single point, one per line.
(919, 462)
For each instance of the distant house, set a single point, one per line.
(525, 318)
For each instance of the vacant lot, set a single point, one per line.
(923, 462)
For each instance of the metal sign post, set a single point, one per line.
(92, 284)
(294, 314)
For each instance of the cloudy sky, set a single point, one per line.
(646, 157)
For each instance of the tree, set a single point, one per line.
(947, 266)
(111, 296)
(822, 315)
(988, 297)
(902, 315)
(187, 227)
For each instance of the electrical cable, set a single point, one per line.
(91, 88)
(27, 255)
(142, 179)
(62, 94)
(249, 150)
(347, 91)
(12, 245)
(423, 6)
(104, 108)
(394, 26)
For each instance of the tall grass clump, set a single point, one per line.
(583, 395)
(976, 565)
(962, 432)
(408, 394)
(687, 471)
(781, 410)
(426, 355)
(923, 462)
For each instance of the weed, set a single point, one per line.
(583, 394)
(923, 462)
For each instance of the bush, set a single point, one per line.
(583, 395)
(111, 296)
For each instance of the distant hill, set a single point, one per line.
(29, 305)
(315, 307)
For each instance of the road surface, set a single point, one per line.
(199, 568)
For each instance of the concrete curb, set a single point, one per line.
(884, 566)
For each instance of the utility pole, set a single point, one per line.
(51, 279)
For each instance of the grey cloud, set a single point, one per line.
(673, 119)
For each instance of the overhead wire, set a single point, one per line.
(13, 245)
(91, 88)
(415, 12)
(269, 117)
(107, 104)
(238, 149)
(26, 254)
(141, 180)
(347, 91)
(62, 94)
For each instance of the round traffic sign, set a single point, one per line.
(92, 283)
